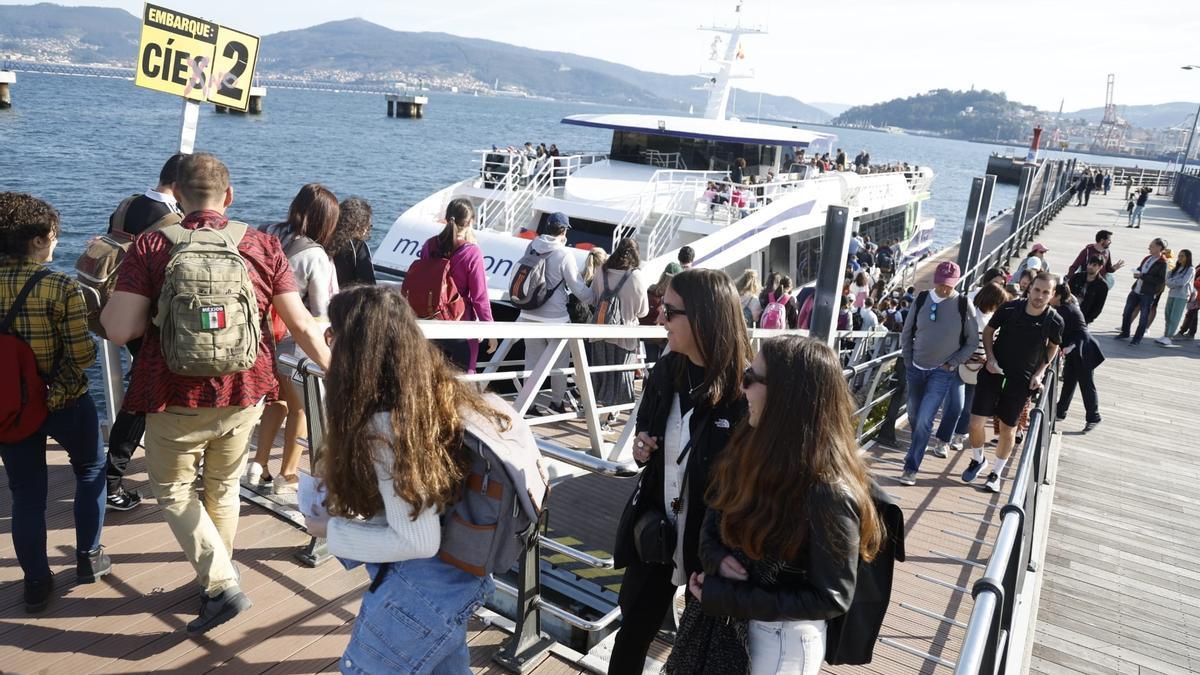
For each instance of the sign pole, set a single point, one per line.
(191, 118)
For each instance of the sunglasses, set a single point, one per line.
(670, 312)
(933, 310)
(751, 378)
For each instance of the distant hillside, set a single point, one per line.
(355, 49)
(1160, 116)
(82, 34)
(954, 114)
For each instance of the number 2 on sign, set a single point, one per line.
(196, 78)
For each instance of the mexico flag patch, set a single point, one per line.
(212, 318)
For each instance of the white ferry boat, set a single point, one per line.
(655, 183)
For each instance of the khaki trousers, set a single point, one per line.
(176, 440)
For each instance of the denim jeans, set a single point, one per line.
(1136, 214)
(1140, 303)
(927, 389)
(956, 414)
(415, 620)
(77, 429)
(796, 647)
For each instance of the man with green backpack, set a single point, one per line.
(198, 294)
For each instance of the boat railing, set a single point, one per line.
(518, 182)
(869, 359)
(566, 165)
(664, 160)
(1002, 593)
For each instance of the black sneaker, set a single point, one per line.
(561, 408)
(1090, 425)
(217, 610)
(37, 594)
(887, 442)
(1121, 336)
(91, 566)
(122, 500)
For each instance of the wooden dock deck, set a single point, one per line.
(132, 621)
(1121, 578)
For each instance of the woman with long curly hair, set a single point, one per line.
(395, 460)
(790, 509)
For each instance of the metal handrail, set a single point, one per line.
(987, 645)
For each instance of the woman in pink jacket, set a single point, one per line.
(457, 242)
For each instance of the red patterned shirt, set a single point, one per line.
(152, 386)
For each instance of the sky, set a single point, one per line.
(1038, 52)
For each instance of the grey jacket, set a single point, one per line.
(941, 341)
(562, 273)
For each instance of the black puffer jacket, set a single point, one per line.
(718, 425)
(817, 585)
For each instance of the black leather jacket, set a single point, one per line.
(709, 441)
(817, 585)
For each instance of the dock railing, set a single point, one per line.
(988, 647)
(1021, 237)
(869, 358)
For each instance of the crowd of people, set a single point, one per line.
(213, 302)
(764, 511)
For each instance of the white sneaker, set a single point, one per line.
(253, 475)
(1165, 341)
(957, 441)
(940, 450)
(993, 482)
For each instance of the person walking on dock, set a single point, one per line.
(1143, 196)
(46, 349)
(1030, 335)
(692, 401)
(1107, 182)
(1090, 289)
(1102, 248)
(207, 416)
(939, 334)
(561, 272)
(350, 252)
(157, 207)
(1151, 276)
(1179, 292)
(1082, 355)
(791, 519)
(620, 292)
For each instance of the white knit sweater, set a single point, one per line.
(392, 536)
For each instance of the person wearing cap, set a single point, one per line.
(1030, 332)
(562, 273)
(1036, 261)
(940, 333)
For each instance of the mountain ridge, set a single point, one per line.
(356, 47)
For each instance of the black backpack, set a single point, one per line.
(851, 638)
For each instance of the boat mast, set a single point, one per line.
(719, 82)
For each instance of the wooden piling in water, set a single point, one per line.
(7, 79)
(406, 106)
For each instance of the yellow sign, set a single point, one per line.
(194, 58)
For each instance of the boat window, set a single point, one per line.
(695, 154)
